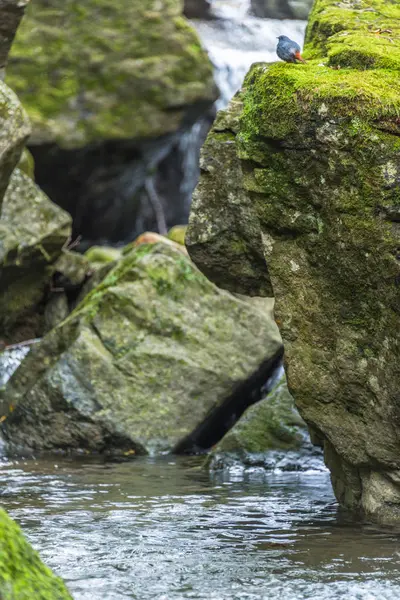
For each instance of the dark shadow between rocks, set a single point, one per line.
(223, 418)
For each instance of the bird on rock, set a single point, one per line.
(288, 50)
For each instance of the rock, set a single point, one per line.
(15, 129)
(11, 12)
(22, 574)
(33, 231)
(137, 55)
(303, 173)
(281, 9)
(71, 270)
(102, 255)
(154, 238)
(197, 9)
(177, 234)
(271, 424)
(27, 164)
(150, 354)
(134, 102)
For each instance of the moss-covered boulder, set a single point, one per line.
(22, 574)
(127, 69)
(310, 187)
(144, 359)
(32, 233)
(271, 424)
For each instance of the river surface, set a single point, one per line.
(164, 529)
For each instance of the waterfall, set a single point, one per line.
(235, 40)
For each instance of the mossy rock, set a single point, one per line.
(15, 130)
(356, 34)
(107, 70)
(317, 173)
(140, 363)
(102, 255)
(177, 234)
(271, 424)
(22, 574)
(32, 233)
(26, 163)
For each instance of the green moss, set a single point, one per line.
(22, 574)
(272, 424)
(360, 35)
(133, 54)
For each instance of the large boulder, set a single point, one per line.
(113, 91)
(315, 192)
(33, 231)
(148, 356)
(128, 69)
(22, 574)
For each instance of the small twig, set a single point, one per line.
(24, 343)
(157, 206)
(70, 245)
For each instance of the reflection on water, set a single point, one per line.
(164, 529)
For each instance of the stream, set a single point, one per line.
(165, 529)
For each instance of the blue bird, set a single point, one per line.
(288, 50)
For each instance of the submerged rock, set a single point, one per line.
(144, 360)
(22, 574)
(33, 231)
(299, 192)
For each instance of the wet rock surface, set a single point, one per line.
(301, 172)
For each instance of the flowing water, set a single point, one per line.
(164, 529)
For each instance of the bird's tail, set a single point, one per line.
(299, 57)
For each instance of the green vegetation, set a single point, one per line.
(22, 574)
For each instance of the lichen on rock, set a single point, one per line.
(317, 155)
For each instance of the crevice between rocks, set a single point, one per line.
(224, 417)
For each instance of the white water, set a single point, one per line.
(236, 40)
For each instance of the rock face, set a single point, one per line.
(300, 190)
(14, 132)
(142, 362)
(281, 9)
(197, 9)
(22, 574)
(11, 13)
(119, 110)
(32, 233)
